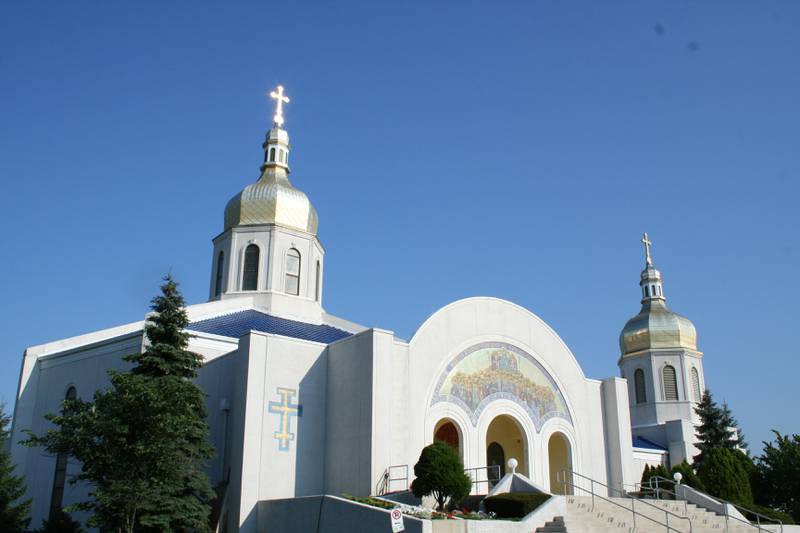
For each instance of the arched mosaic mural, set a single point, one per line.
(492, 370)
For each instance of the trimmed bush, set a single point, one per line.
(514, 505)
(724, 476)
(440, 473)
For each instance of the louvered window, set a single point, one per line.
(695, 384)
(670, 383)
(293, 272)
(638, 381)
(250, 277)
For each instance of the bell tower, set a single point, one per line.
(663, 367)
(268, 251)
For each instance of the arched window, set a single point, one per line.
(695, 384)
(293, 272)
(670, 383)
(646, 291)
(317, 280)
(60, 476)
(218, 279)
(271, 155)
(250, 277)
(638, 382)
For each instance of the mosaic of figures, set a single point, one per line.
(493, 370)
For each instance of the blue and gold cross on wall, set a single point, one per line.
(286, 410)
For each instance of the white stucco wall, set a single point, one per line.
(261, 470)
(461, 325)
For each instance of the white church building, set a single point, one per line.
(302, 402)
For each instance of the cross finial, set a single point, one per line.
(280, 100)
(647, 244)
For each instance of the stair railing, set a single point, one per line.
(492, 476)
(385, 482)
(661, 481)
(566, 477)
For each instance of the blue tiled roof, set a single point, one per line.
(237, 324)
(641, 442)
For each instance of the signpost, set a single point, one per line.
(396, 517)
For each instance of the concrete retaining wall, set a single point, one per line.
(328, 514)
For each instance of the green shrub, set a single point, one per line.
(769, 512)
(724, 476)
(514, 505)
(689, 477)
(653, 471)
(368, 500)
(440, 473)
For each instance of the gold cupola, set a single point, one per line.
(656, 326)
(273, 199)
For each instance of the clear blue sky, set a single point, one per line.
(512, 149)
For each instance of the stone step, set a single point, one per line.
(555, 526)
(614, 516)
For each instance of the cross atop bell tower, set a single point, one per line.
(280, 99)
(647, 242)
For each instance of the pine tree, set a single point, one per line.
(13, 512)
(715, 429)
(143, 443)
(60, 523)
(736, 437)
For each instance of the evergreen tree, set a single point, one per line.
(13, 512)
(736, 437)
(724, 475)
(143, 443)
(717, 429)
(689, 476)
(60, 523)
(779, 474)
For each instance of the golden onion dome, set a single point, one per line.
(657, 327)
(272, 199)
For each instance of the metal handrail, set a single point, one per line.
(385, 482)
(565, 475)
(488, 480)
(725, 503)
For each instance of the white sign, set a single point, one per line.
(397, 521)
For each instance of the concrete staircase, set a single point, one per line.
(608, 517)
(555, 526)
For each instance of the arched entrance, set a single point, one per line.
(447, 432)
(504, 440)
(560, 458)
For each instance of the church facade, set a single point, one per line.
(302, 402)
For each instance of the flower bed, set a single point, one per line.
(417, 511)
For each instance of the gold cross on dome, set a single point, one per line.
(281, 99)
(647, 242)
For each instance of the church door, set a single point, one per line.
(495, 456)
